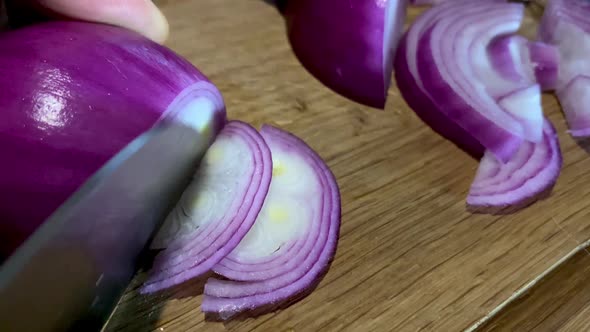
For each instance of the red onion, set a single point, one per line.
(217, 209)
(529, 175)
(462, 69)
(73, 95)
(566, 24)
(291, 242)
(348, 45)
(446, 55)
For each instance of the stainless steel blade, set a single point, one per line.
(70, 273)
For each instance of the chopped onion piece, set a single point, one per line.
(216, 210)
(446, 54)
(525, 105)
(544, 59)
(531, 173)
(521, 60)
(566, 24)
(449, 59)
(575, 100)
(465, 72)
(293, 239)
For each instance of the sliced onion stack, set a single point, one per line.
(348, 45)
(530, 174)
(217, 209)
(446, 55)
(291, 242)
(466, 73)
(566, 24)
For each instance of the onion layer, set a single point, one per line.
(348, 45)
(446, 58)
(74, 94)
(217, 209)
(544, 58)
(529, 175)
(566, 24)
(293, 239)
(524, 61)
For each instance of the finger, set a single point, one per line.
(138, 15)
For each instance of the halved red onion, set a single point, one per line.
(216, 210)
(74, 94)
(348, 45)
(291, 242)
(446, 55)
(566, 24)
(530, 174)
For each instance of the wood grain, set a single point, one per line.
(560, 301)
(410, 258)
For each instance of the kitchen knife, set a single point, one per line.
(69, 275)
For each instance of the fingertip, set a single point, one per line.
(157, 28)
(141, 16)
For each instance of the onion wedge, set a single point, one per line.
(566, 24)
(529, 175)
(445, 72)
(348, 45)
(216, 210)
(291, 243)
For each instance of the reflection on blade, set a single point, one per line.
(69, 275)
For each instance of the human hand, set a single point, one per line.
(141, 16)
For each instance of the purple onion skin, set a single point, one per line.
(72, 95)
(340, 42)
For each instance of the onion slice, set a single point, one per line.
(566, 24)
(293, 240)
(446, 57)
(216, 210)
(348, 45)
(506, 187)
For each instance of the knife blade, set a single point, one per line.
(69, 275)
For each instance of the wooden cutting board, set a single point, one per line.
(410, 257)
